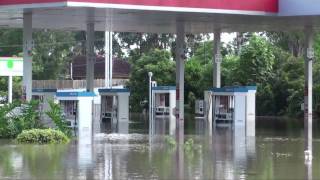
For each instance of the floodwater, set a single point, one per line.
(275, 153)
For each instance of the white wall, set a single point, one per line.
(251, 114)
(172, 105)
(299, 7)
(208, 106)
(123, 107)
(85, 119)
(85, 130)
(239, 111)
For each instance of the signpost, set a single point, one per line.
(11, 66)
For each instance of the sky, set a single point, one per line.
(227, 37)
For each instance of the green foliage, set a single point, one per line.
(191, 100)
(42, 136)
(170, 141)
(56, 115)
(189, 145)
(229, 70)
(256, 61)
(193, 79)
(51, 55)
(10, 42)
(16, 117)
(157, 61)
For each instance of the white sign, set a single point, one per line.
(11, 66)
(310, 53)
(218, 58)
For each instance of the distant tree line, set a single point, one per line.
(271, 60)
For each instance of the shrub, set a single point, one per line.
(170, 141)
(16, 117)
(56, 115)
(42, 136)
(188, 145)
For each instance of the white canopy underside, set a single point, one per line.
(153, 21)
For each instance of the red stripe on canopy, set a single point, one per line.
(241, 5)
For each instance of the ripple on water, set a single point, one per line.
(121, 138)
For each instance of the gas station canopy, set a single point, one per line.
(161, 16)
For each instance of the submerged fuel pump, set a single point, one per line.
(78, 110)
(44, 96)
(232, 105)
(114, 110)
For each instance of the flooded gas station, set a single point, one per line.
(228, 141)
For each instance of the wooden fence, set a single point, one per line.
(72, 84)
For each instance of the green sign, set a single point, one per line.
(10, 64)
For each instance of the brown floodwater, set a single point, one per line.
(275, 153)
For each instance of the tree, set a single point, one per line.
(139, 43)
(10, 42)
(160, 64)
(52, 54)
(256, 68)
(193, 79)
(292, 42)
(256, 61)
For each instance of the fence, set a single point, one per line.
(72, 84)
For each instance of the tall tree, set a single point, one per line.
(293, 42)
(52, 54)
(157, 61)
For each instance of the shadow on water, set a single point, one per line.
(222, 153)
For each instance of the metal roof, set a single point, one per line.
(164, 88)
(114, 90)
(120, 69)
(235, 89)
(161, 16)
(75, 94)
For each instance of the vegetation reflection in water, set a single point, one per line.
(117, 156)
(36, 161)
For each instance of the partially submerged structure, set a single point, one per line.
(164, 101)
(115, 109)
(77, 108)
(232, 105)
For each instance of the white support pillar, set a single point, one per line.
(180, 57)
(90, 51)
(309, 56)
(10, 89)
(108, 59)
(27, 56)
(217, 59)
(150, 74)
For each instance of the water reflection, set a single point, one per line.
(232, 151)
(224, 154)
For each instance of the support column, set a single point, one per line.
(108, 59)
(150, 103)
(309, 56)
(27, 56)
(10, 89)
(180, 57)
(217, 59)
(90, 52)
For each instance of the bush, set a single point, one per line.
(56, 115)
(188, 145)
(42, 136)
(16, 117)
(170, 141)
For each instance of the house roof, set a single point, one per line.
(121, 68)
